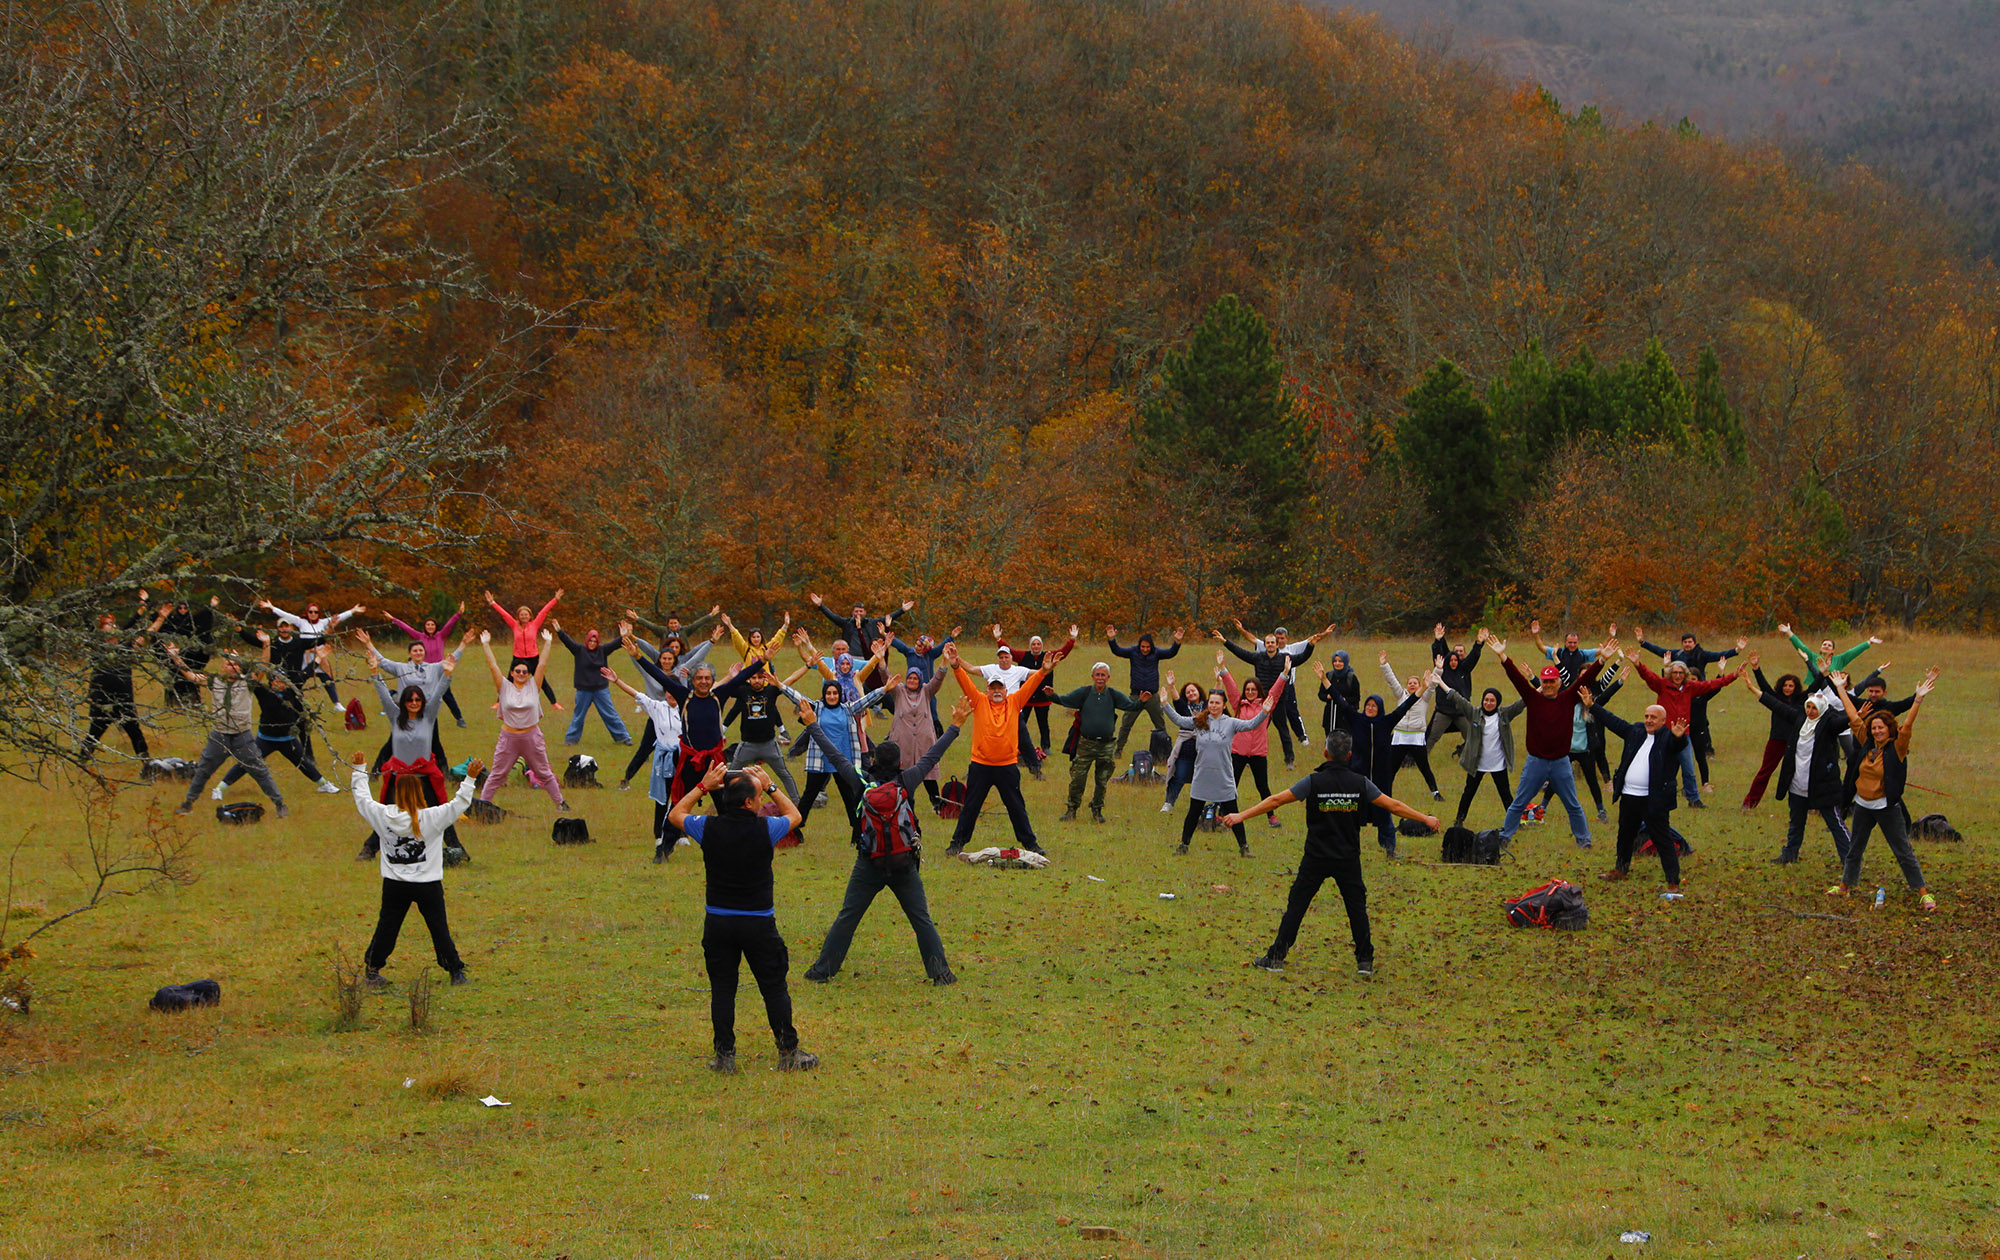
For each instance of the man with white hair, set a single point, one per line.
(1097, 707)
(1644, 788)
(1809, 779)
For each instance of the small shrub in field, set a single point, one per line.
(348, 991)
(420, 1002)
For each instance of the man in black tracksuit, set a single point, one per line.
(1145, 656)
(1336, 798)
(1644, 787)
(111, 699)
(742, 922)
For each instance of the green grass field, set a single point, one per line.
(1734, 1078)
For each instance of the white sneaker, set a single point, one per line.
(1166, 807)
(215, 794)
(329, 787)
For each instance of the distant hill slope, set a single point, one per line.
(1903, 86)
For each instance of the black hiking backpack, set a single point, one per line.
(886, 829)
(1558, 904)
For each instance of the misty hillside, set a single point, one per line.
(1907, 85)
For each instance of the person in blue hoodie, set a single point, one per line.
(1145, 656)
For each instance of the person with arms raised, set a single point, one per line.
(1145, 656)
(996, 750)
(741, 923)
(886, 803)
(1808, 732)
(1643, 788)
(521, 737)
(1876, 777)
(409, 833)
(1551, 718)
(525, 624)
(1097, 708)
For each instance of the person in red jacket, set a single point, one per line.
(1550, 721)
(1678, 691)
(996, 748)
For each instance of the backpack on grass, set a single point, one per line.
(1557, 904)
(240, 813)
(886, 829)
(181, 997)
(570, 831)
(484, 812)
(1464, 847)
(581, 772)
(1934, 827)
(953, 801)
(357, 717)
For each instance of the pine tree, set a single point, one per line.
(1224, 415)
(1448, 447)
(1715, 421)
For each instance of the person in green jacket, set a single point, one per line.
(1821, 667)
(1098, 707)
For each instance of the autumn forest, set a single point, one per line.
(1069, 309)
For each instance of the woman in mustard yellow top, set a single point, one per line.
(1875, 779)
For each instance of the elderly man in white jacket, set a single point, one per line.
(412, 847)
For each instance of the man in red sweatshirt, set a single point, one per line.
(1549, 717)
(1678, 692)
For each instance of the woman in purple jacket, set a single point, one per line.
(433, 637)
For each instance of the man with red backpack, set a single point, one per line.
(888, 843)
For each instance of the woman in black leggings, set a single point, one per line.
(1489, 743)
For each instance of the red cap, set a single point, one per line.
(1551, 674)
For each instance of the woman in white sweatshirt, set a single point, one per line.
(411, 835)
(1410, 742)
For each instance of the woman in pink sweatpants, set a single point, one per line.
(520, 724)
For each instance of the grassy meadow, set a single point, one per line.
(1735, 1073)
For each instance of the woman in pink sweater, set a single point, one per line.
(520, 725)
(1251, 747)
(433, 637)
(527, 627)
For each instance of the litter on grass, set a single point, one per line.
(491, 1101)
(1635, 1236)
(1166, 897)
(1093, 879)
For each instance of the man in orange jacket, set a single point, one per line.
(996, 716)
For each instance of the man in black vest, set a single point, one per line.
(1335, 797)
(742, 921)
(1644, 787)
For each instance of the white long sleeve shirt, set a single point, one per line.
(406, 856)
(1410, 727)
(313, 630)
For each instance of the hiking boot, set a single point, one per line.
(284, 811)
(1034, 846)
(1364, 968)
(375, 980)
(1583, 843)
(1068, 815)
(1269, 962)
(796, 1060)
(1097, 815)
(1242, 850)
(454, 855)
(183, 808)
(814, 974)
(939, 972)
(1785, 859)
(1614, 874)
(1602, 816)
(1697, 803)
(459, 977)
(724, 1064)
(1181, 848)
(957, 847)
(661, 852)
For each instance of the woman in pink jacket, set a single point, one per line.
(527, 627)
(1251, 747)
(433, 637)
